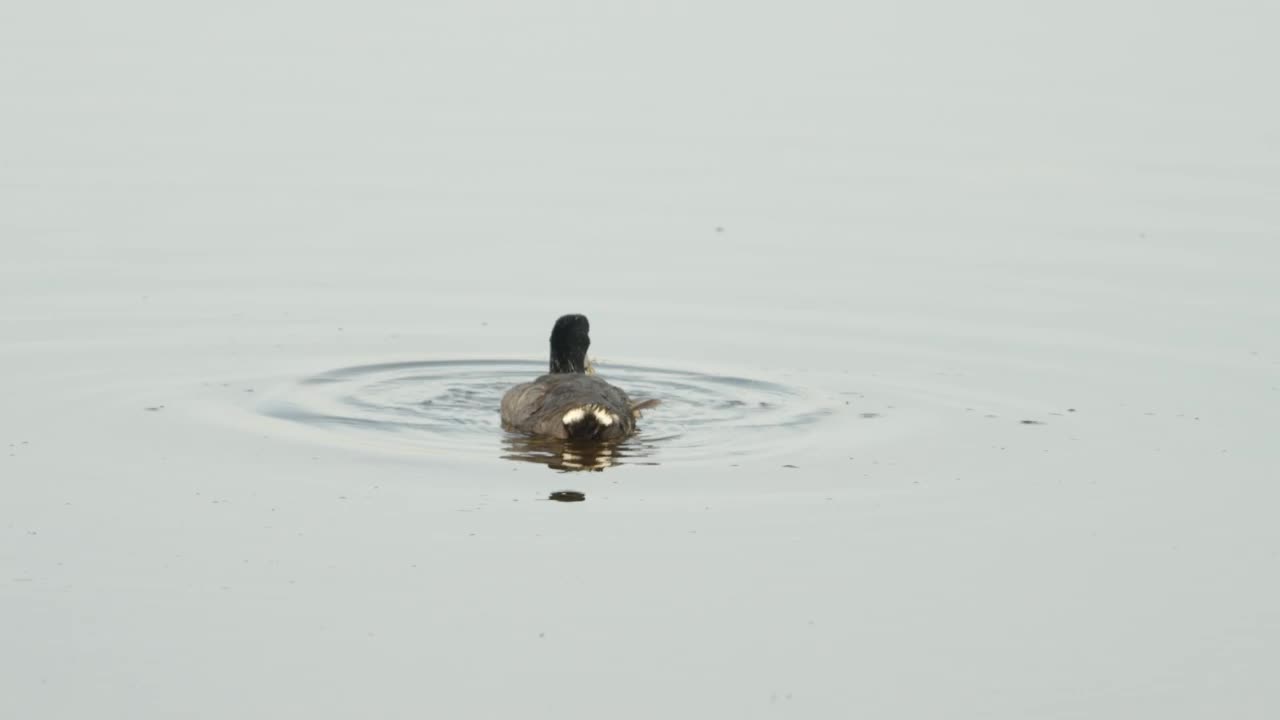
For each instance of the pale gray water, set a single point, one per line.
(436, 407)
(243, 247)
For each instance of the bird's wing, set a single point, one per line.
(521, 402)
(636, 407)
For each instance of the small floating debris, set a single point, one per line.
(567, 496)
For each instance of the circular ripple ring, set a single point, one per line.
(452, 406)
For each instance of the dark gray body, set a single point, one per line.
(540, 407)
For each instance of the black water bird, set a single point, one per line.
(569, 402)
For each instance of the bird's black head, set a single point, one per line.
(569, 343)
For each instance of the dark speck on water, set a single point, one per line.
(567, 496)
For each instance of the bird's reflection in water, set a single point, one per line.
(566, 455)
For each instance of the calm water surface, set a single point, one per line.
(962, 318)
(450, 406)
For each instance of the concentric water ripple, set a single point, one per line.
(451, 407)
